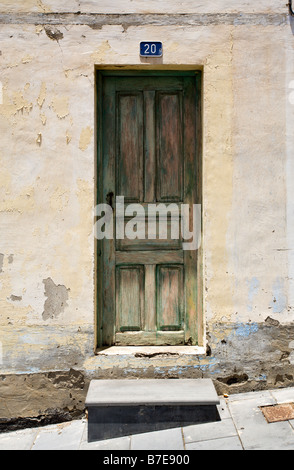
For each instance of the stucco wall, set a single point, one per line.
(47, 185)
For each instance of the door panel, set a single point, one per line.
(130, 297)
(169, 304)
(129, 155)
(148, 147)
(169, 141)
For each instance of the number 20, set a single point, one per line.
(152, 49)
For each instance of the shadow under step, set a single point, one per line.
(119, 408)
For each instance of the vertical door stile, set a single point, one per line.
(149, 147)
(108, 184)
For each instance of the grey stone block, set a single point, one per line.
(151, 392)
(118, 408)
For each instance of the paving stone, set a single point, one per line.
(259, 395)
(18, 440)
(285, 395)
(254, 431)
(122, 443)
(170, 439)
(65, 436)
(204, 432)
(227, 443)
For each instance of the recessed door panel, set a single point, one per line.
(129, 149)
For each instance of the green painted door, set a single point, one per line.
(148, 146)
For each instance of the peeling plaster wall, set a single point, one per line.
(47, 188)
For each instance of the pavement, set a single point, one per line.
(242, 427)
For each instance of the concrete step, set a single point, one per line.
(122, 407)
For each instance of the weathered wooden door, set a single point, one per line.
(148, 149)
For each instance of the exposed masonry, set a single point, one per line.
(62, 400)
(97, 21)
(241, 357)
(15, 298)
(56, 299)
(54, 33)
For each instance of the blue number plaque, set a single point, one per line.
(151, 49)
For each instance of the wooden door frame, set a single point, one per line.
(129, 71)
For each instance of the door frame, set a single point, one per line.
(125, 72)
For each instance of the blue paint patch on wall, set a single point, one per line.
(212, 366)
(253, 288)
(279, 302)
(246, 329)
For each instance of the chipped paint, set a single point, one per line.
(14, 103)
(246, 330)
(85, 138)
(15, 298)
(43, 119)
(28, 58)
(253, 289)
(60, 105)
(56, 301)
(42, 95)
(100, 54)
(68, 137)
(53, 33)
(279, 302)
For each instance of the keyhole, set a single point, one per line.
(109, 199)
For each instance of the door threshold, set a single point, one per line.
(150, 351)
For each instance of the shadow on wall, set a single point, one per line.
(292, 24)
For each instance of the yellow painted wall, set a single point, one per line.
(47, 155)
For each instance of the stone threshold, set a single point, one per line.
(151, 351)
